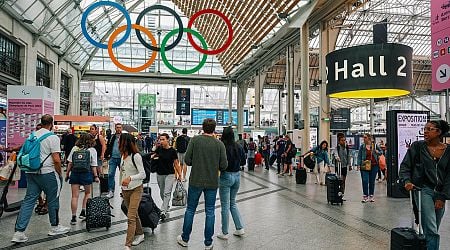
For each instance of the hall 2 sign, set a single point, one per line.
(368, 67)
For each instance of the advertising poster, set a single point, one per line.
(409, 129)
(440, 44)
(26, 105)
(3, 136)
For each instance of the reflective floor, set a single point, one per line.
(278, 214)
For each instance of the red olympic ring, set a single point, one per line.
(227, 22)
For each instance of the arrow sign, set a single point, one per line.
(443, 73)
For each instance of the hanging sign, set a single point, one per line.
(440, 44)
(370, 71)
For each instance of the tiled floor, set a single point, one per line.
(278, 214)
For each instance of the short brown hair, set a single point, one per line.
(209, 125)
(46, 120)
(85, 141)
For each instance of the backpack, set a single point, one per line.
(293, 151)
(182, 143)
(146, 163)
(29, 158)
(81, 161)
(252, 146)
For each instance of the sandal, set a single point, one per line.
(38, 208)
(44, 210)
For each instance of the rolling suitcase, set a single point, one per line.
(272, 159)
(300, 173)
(406, 237)
(334, 184)
(98, 213)
(251, 164)
(148, 212)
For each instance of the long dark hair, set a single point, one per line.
(320, 145)
(127, 145)
(228, 140)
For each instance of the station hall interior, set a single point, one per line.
(309, 69)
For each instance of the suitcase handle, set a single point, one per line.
(419, 207)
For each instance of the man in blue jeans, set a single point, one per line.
(47, 179)
(113, 153)
(206, 155)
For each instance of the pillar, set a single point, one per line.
(259, 83)
(372, 116)
(290, 87)
(241, 94)
(304, 58)
(325, 106)
(230, 102)
(280, 111)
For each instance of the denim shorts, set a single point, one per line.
(81, 178)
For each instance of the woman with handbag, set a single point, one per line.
(368, 163)
(229, 183)
(168, 169)
(131, 175)
(322, 161)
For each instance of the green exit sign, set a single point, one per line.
(147, 100)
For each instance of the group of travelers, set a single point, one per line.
(426, 165)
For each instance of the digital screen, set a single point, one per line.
(220, 115)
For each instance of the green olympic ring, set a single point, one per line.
(166, 61)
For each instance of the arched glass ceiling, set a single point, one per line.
(57, 22)
(408, 23)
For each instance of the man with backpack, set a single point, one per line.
(181, 147)
(40, 158)
(287, 156)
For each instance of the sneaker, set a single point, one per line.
(162, 216)
(81, 188)
(110, 194)
(181, 242)
(74, 220)
(209, 247)
(19, 237)
(58, 230)
(138, 240)
(82, 215)
(239, 232)
(371, 198)
(364, 199)
(222, 236)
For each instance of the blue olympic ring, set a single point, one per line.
(91, 8)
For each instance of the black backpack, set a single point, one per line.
(81, 161)
(182, 143)
(146, 162)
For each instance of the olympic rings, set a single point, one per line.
(123, 67)
(171, 67)
(171, 11)
(153, 46)
(227, 22)
(92, 7)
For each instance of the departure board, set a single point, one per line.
(220, 115)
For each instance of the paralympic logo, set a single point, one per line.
(153, 46)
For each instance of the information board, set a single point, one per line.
(220, 115)
(440, 44)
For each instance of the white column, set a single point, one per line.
(257, 84)
(304, 58)
(280, 111)
(442, 107)
(372, 116)
(325, 107)
(230, 102)
(290, 87)
(242, 91)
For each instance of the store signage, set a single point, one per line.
(340, 119)
(370, 71)
(183, 101)
(440, 44)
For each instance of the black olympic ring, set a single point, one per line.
(171, 11)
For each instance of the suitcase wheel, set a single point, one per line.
(107, 228)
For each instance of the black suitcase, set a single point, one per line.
(98, 213)
(407, 238)
(300, 173)
(251, 164)
(103, 183)
(335, 184)
(148, 211)
(272, 159)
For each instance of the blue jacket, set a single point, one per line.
(362, 153)
(321, 155)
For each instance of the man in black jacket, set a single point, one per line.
(113, 154)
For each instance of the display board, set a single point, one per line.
(183, 101)
(440, 44)
(26, 105)
(219, 115)
(340, 119)
(403, 128)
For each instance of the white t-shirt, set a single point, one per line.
(92, 152)
(49, 145)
